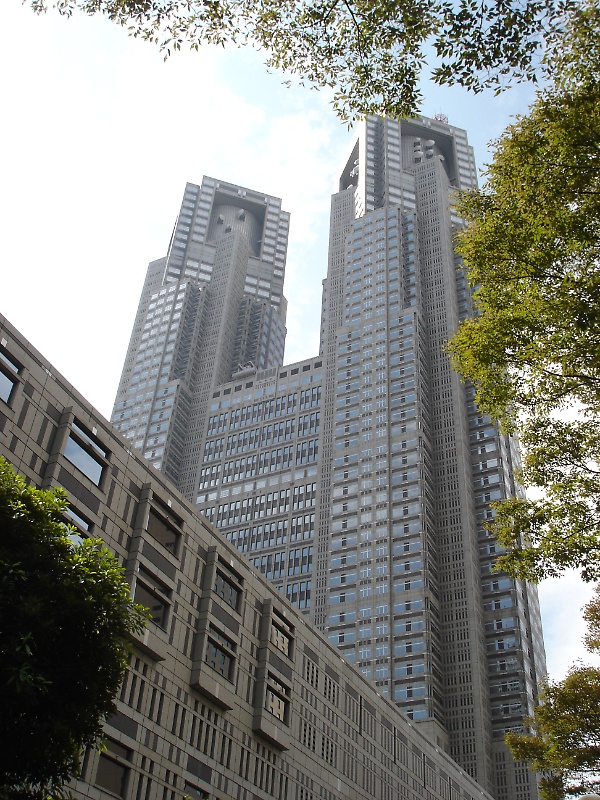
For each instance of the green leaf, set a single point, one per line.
(67, 616)
(531, 252)
(370, 52)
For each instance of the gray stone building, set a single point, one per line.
(357, 481)
(230, 693)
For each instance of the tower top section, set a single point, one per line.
(215, 208)
(386, 151)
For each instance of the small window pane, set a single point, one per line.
(276, 698)
(9, 362)
(226, 589)
(6, 386)
(195, 793)
(82, 523)
(216, 655)
(218, 659)
(275, 705)
(89, 439)
(160, 530)
(280, 639)
(157, 606)
(84, 461)
(111, 775)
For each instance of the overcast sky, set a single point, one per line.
(100, 135)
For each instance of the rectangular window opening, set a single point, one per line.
(163, 531)
(86, 453)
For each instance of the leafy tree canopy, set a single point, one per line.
(65, 618)
(533, 351)
(564, 744)
(371, 52)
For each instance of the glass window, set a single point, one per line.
(218, 653)
(86, 452)
(275, 705)
(276, 698)
(195, 793)
(82, 524)
(90, 440)
(6, 386)
(227, 590)
(157, 606)
(9, 361)
(77, 519)
(7, 381)
(162, 531)
(84, 460)
(281, 639)
(112, 769)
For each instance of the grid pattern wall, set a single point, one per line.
(229, 694)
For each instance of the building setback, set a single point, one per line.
(230, 693)
(357, 481)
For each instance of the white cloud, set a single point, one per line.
(562, 600)
(103, 137)
(99, 137)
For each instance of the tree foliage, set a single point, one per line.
(65, 618)
(533, 350)
(371, 52)
(564, 744)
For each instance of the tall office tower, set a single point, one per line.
(212, 309)
(359, 480)
(408, 466)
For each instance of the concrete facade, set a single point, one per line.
(230, 692)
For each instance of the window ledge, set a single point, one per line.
(150, 643)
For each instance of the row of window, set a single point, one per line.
(254, 439)
(283, 405)
(350, 595)
(270, 409)
(379, 570)
(273, 534)
(251, 508)
(273, 565)
(256, 464)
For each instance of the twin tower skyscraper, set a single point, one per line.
(358, 481)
